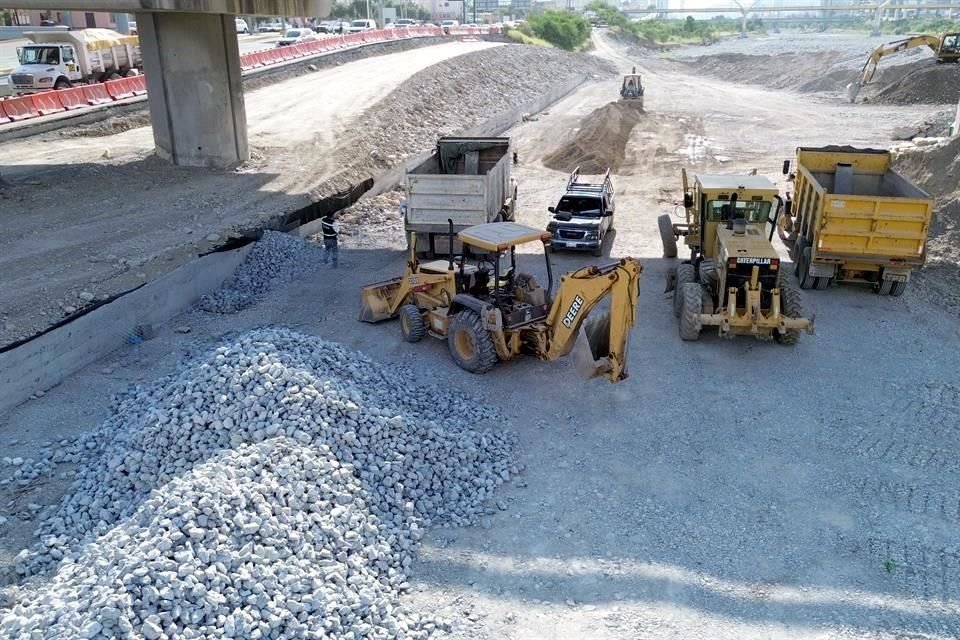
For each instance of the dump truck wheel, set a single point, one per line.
(412, 325)
(709, 273)
(791, 306)
(796, 252)
(666, 236)
(803, 264)
(898, 288)
(883, 287)
(471, 345)
(822, 283)
(685, 273)
(690, 309)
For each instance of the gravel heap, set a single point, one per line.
(373, 222)
(458, 94)
(276, 259)
(275, 488)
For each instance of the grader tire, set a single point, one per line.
(471, 345)
(791, 306)
(412, 325)
(685, 273)
(709, 273)
(666, 236)
(690, 310)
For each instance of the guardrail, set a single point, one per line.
(17, 109)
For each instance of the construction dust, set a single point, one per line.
(601, 141)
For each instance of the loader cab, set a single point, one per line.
(949, 49)
(715, 201)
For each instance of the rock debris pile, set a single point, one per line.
(276, 259)
(275, 488)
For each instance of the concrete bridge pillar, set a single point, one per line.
(192, 65)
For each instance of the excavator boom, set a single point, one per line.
(599, 344)
(884, 50)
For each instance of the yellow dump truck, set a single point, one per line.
(854, 219)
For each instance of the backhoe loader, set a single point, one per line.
(733, 279)
(487, 311)
(945, 46)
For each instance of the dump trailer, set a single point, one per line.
(854, 219)
(61, 59)
(466, 180)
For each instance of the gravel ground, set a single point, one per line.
(817, 502)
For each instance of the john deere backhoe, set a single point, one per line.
(487, 311)
(946, 47)
(733, 279)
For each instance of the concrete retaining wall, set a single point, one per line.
(46, 360)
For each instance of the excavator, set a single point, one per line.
(945, 46)
(488, 311)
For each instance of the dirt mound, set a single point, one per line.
(601, 141)
(922, 82)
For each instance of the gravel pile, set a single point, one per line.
(276, 259)
(458, 94)
(275, 488)
(373, 222)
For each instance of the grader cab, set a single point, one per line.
(487, 310)
(733, 278)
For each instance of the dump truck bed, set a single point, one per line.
(859, 208)
(465, 179)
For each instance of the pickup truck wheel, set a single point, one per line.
(684, 273)
(791, 306)
(666, 236)
(691, 306)
(61, 84)
(471, 345)
(412, 325)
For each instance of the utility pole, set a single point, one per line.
(368, 9)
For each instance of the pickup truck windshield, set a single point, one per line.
(580, 206)
(40, 55)
(358, 23)
(751, 210)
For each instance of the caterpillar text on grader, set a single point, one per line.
(733, 279)
(487, 311)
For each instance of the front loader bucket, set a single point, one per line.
(376, 300)
(591, 351)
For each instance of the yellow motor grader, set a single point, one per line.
(733, 278)
(488, 311)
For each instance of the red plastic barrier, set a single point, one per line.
(119, 89)
(248, 61)
(47, 102)
(96, 94)
(20, 108)
(139, 85)
(73, 98)
(4, 118)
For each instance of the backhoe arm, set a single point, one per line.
(885, 50)
(601, 345)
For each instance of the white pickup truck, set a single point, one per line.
(60, 59)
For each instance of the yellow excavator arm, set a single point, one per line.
(600, 344)
(889, 49)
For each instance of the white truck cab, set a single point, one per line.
(59, 59)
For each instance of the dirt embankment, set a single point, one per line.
(937, 170)
(601, 141)
(913, 78)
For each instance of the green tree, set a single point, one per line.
(562, 29)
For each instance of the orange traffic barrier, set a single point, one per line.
(96, 94)
(47, 102)
(73, 98)
(139, 85)
(119, 89)
(4, 118)
(20, 108)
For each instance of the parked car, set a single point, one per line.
(274, 26)
(242, 26)
(296, 36)
(446, 25)
(358, 26)
(405, 23)
(132, 28)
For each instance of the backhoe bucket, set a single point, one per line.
(592, 349)
(376, 300)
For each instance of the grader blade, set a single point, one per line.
(591, 350)
(376, 300)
